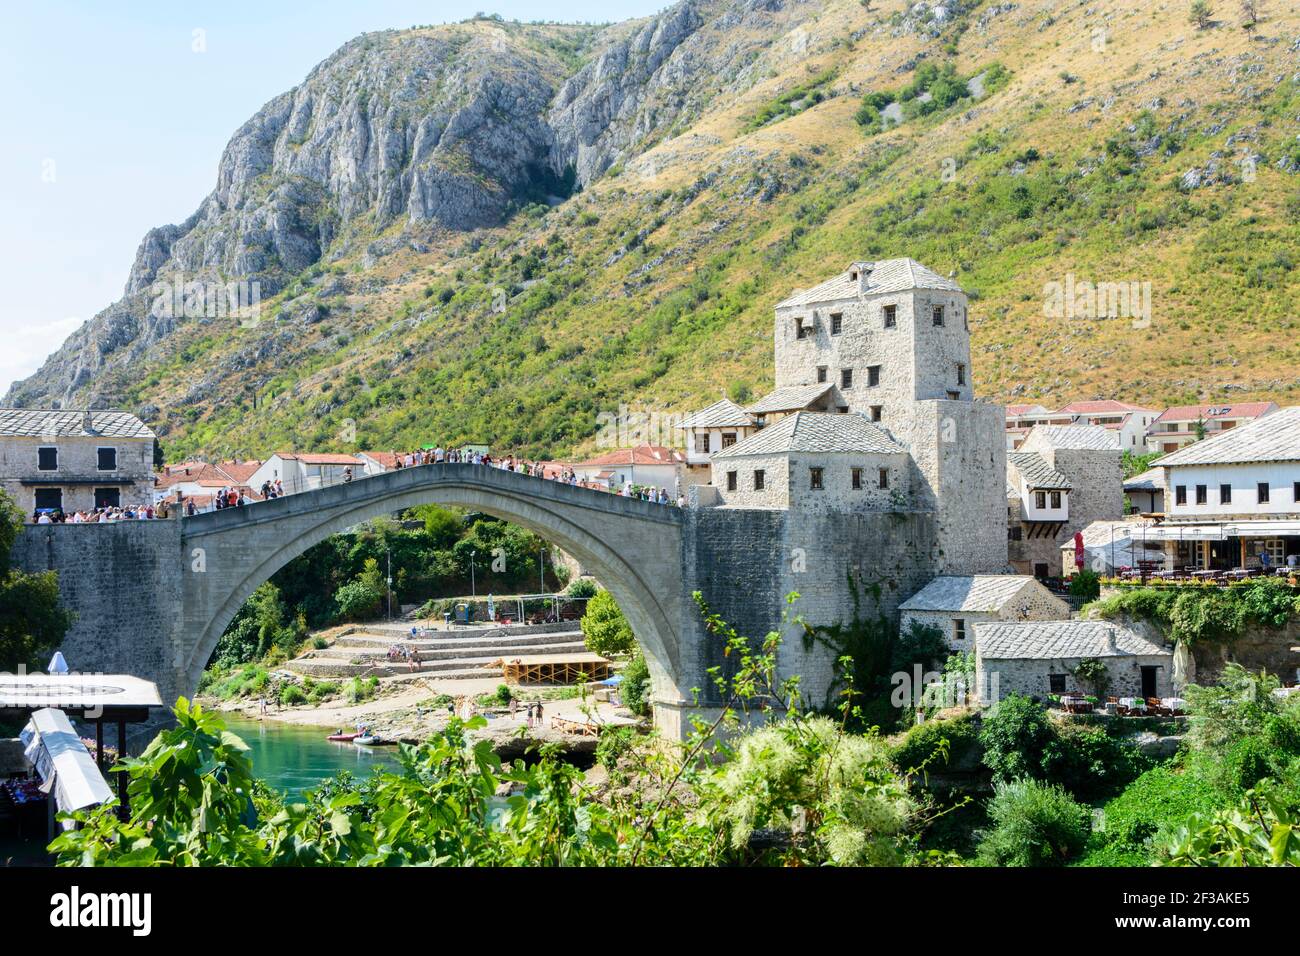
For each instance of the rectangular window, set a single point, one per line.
(1040, 499)
(1202, 494)
(1056, 499)
(799, 330)
(882, 478)
(961, 374)
(815, 479)
(936, 315)
(876, 412)
(1056, 683)
(731, 481)
(47, 459)
(1262, 493)
(873, 375)
(108, 497)
(959, 629)
(1225, 494)
(954, 396)
(821, 374)
(49, 499)
(846, 378)
(837, 323)
(760, 480)
(728, 439)
(107, 459)
(891, 316)
(1295, 491)
(1180, 495)
(702, 443)
(857, 478)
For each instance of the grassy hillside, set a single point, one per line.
(655, 286)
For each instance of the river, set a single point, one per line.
(293, 758)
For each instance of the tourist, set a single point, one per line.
(539, 715)
(347, 474)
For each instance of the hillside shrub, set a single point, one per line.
(1149, 810)
(924, 744)
(1016, 735)
(1033, 824)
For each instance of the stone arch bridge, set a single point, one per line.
(152, 598)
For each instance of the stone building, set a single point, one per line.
(956, 603)
(1038, 658)
(871, 456)
(75, 460)
(1065, 477)
(711, 430)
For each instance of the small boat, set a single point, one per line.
(370, 740)
(344, 737)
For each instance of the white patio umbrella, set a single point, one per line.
(57, 664)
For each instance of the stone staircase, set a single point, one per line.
(458, 654)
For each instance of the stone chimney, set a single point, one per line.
(87, 425)
(1111, 644)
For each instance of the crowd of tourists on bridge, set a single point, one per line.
(537, 469)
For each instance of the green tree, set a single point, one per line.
(605, 628)
(1200, 14)
(635, 689)
(32, 622)
(1016, 735)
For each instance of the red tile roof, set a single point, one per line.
(640, 455)
(1190, 413)
(1100, 407)
(311, 459)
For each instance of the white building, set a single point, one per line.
(1130, 423)
(1183, 424)
(306, 472)
(66, 460)
(1240, 490)
(711, 430)
(955, 603)
(652, 465)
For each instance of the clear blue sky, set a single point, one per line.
(113, 124)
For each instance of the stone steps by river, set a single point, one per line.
(445, 655)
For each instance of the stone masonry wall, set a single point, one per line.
(1030, 677)
(122, 580)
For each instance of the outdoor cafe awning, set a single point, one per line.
(63, 762)
(111, 697)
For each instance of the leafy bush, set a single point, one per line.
(361, 689)
(605, 628)
(635, 689)
(582, 588)
(924, 741)
(356, 601)
(1034, 824)
(1016, 736)
(291, 694)
(1260, 830)
(1085, 584)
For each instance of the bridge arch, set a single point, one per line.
(633, 547)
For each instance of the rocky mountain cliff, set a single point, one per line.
(539, 222)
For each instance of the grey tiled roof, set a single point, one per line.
(970, 592)
(1051, 640)
(1274, 437)
(721, 414)
(1036, 472)
(50, 423)
(814, 432)
(789, 399)
(888, 275)
(1078, 437)
(1150, 480)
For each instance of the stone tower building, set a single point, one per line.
(872, 458)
